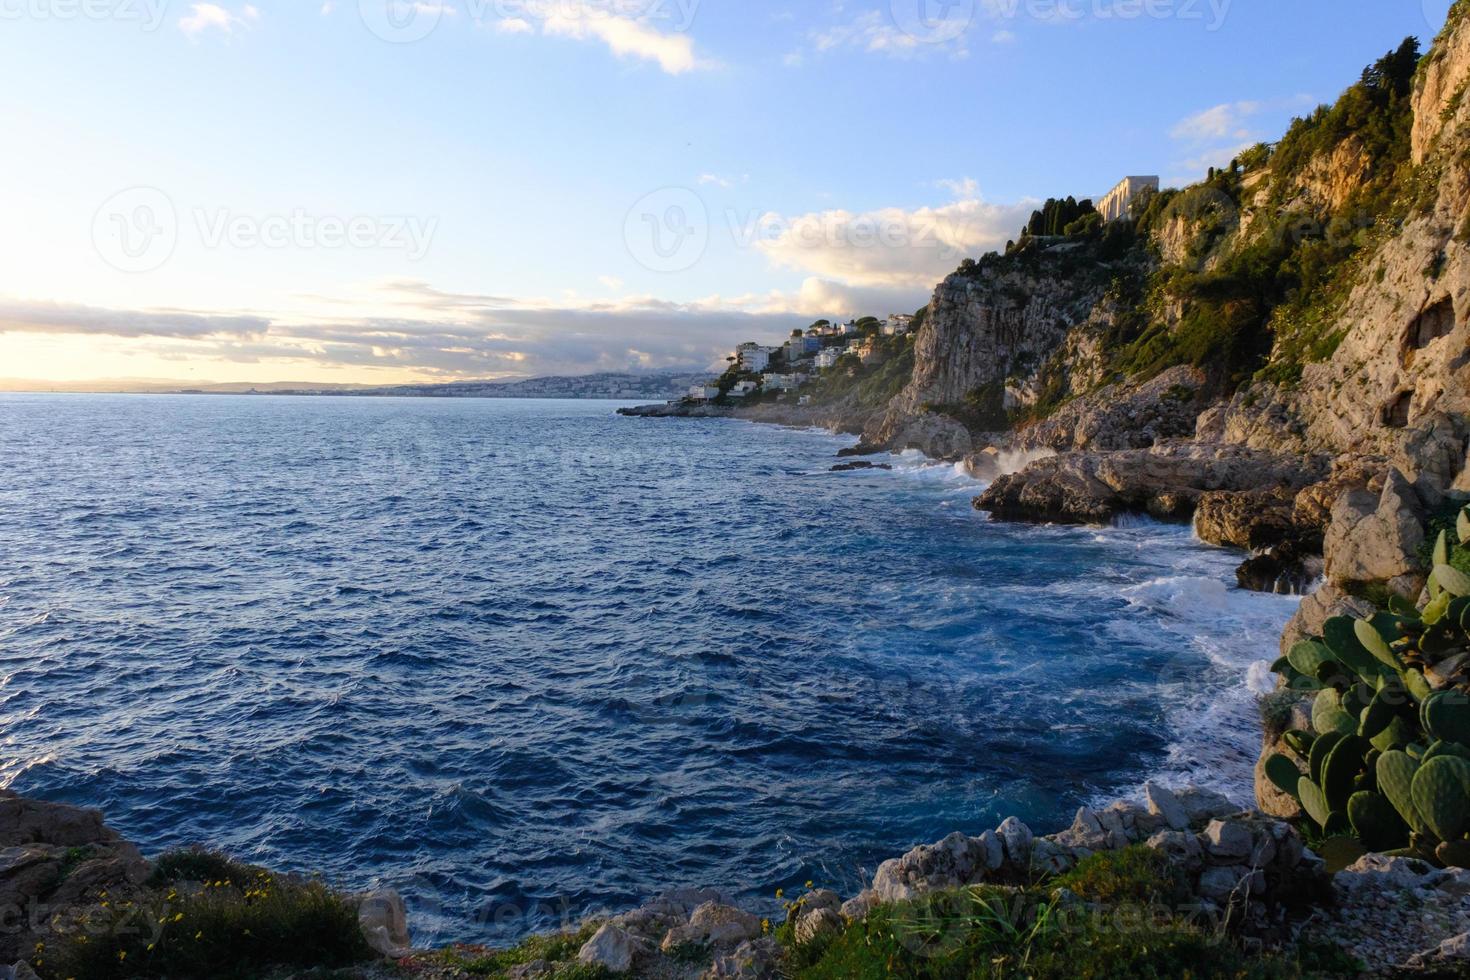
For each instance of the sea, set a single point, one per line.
(528, 660)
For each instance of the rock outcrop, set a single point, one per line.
(52, 858)
(1170, 480)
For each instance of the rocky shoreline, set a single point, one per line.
(1237, 873)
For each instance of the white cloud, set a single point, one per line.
(873, 32)
(638, 38)
(1227, 121)
(209, 16)
(890, 248)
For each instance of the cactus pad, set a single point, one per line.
(1441, 792)
(1377, 823)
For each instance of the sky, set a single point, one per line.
(384, 191)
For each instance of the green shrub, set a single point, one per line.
(230, 927)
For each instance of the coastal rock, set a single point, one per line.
(1229, 843)
(860, 465)
(1247, 520)
(1393, 911)
(1231, 885)
(1095, 487)
(52, 856)
(1330, 600)
(822, 898)
(1202, 805)
(1376, 540)
(383, 920)
(1123, 416)
(856, 909)
(1017, 838)
(956, 860)
(817, 923)
(611, 948)
(717, 923)
(1180, 847)
(1166, 805)
(754, 960)
(936, 436)
(1284, 569)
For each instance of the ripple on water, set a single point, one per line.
(526, 659)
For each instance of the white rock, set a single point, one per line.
(1017, 838)
(1229, 843)
(384, 924)
(1163, 803)
(611, 948)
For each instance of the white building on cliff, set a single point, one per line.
(1116, 203)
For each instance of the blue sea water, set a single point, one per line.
(523, 660)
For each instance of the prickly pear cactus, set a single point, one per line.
(1386, 766)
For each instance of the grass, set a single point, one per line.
(1133, 921)
(204, 915)
(558, 949)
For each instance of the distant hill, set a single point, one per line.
(608, 385)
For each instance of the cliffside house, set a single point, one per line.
(781, 382)
(1116, 203)
(754, 357)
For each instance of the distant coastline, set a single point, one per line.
(604, 386)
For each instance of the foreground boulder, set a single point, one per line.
(52, 857)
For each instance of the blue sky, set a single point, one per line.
(385, 190)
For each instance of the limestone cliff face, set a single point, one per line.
(1405, 352)
(1441, 84)
(993, 326)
